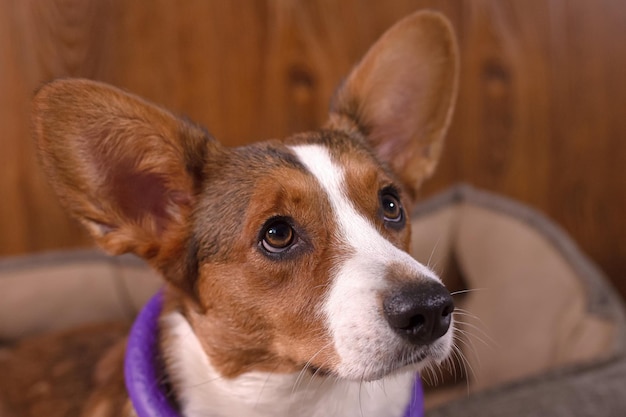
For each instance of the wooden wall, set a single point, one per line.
(541, 115)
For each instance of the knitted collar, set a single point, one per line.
(141, 369)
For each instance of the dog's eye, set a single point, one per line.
(392, 209)
(278, 236)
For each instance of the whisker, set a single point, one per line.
(483, 337)
(480, 328)
(425, 374)
(321, 286)
(434, 375)
(306, 367)
(452, 360)
(470, 347)
(464, 364)
(360, 392)
(468, 290)
(469, 365)
(432, 253)
(467, 313)
(468, 329)
(440, 372)
(269, 375)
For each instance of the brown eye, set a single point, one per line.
(392, 209)
(278, 236)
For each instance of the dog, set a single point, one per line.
(288, 286)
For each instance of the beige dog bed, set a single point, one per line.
(543, 334)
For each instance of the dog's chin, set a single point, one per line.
(406, 359)
(412, 361)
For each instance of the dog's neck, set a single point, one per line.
(201, 391)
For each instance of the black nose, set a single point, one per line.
(421, 313)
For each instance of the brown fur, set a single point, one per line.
(248, 307)
(382, 89)
(146, 182)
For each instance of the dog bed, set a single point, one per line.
(541, 332)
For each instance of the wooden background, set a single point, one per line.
(541, 115)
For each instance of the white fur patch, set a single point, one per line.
(366, 345)
(202, 392)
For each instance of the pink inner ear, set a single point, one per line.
(139, 194)
(398, 107)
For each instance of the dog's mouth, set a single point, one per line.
(409, 360)
(413, 359)
(406, 360)
(321, 372)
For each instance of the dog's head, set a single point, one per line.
(282, 254)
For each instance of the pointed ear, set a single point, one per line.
(401, 96)
(127, 169)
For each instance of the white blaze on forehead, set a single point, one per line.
(356, 230)
(353, 303)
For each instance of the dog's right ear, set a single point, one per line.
(129, 170)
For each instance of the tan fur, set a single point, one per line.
(116, 163)
(147, 182)
(249, 318)
(418, 110)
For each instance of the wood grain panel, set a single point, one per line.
(540, 115)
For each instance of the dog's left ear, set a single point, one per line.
(401, 96)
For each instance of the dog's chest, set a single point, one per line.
(201, 391)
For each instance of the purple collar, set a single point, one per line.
(141, 364)
(143, 382)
